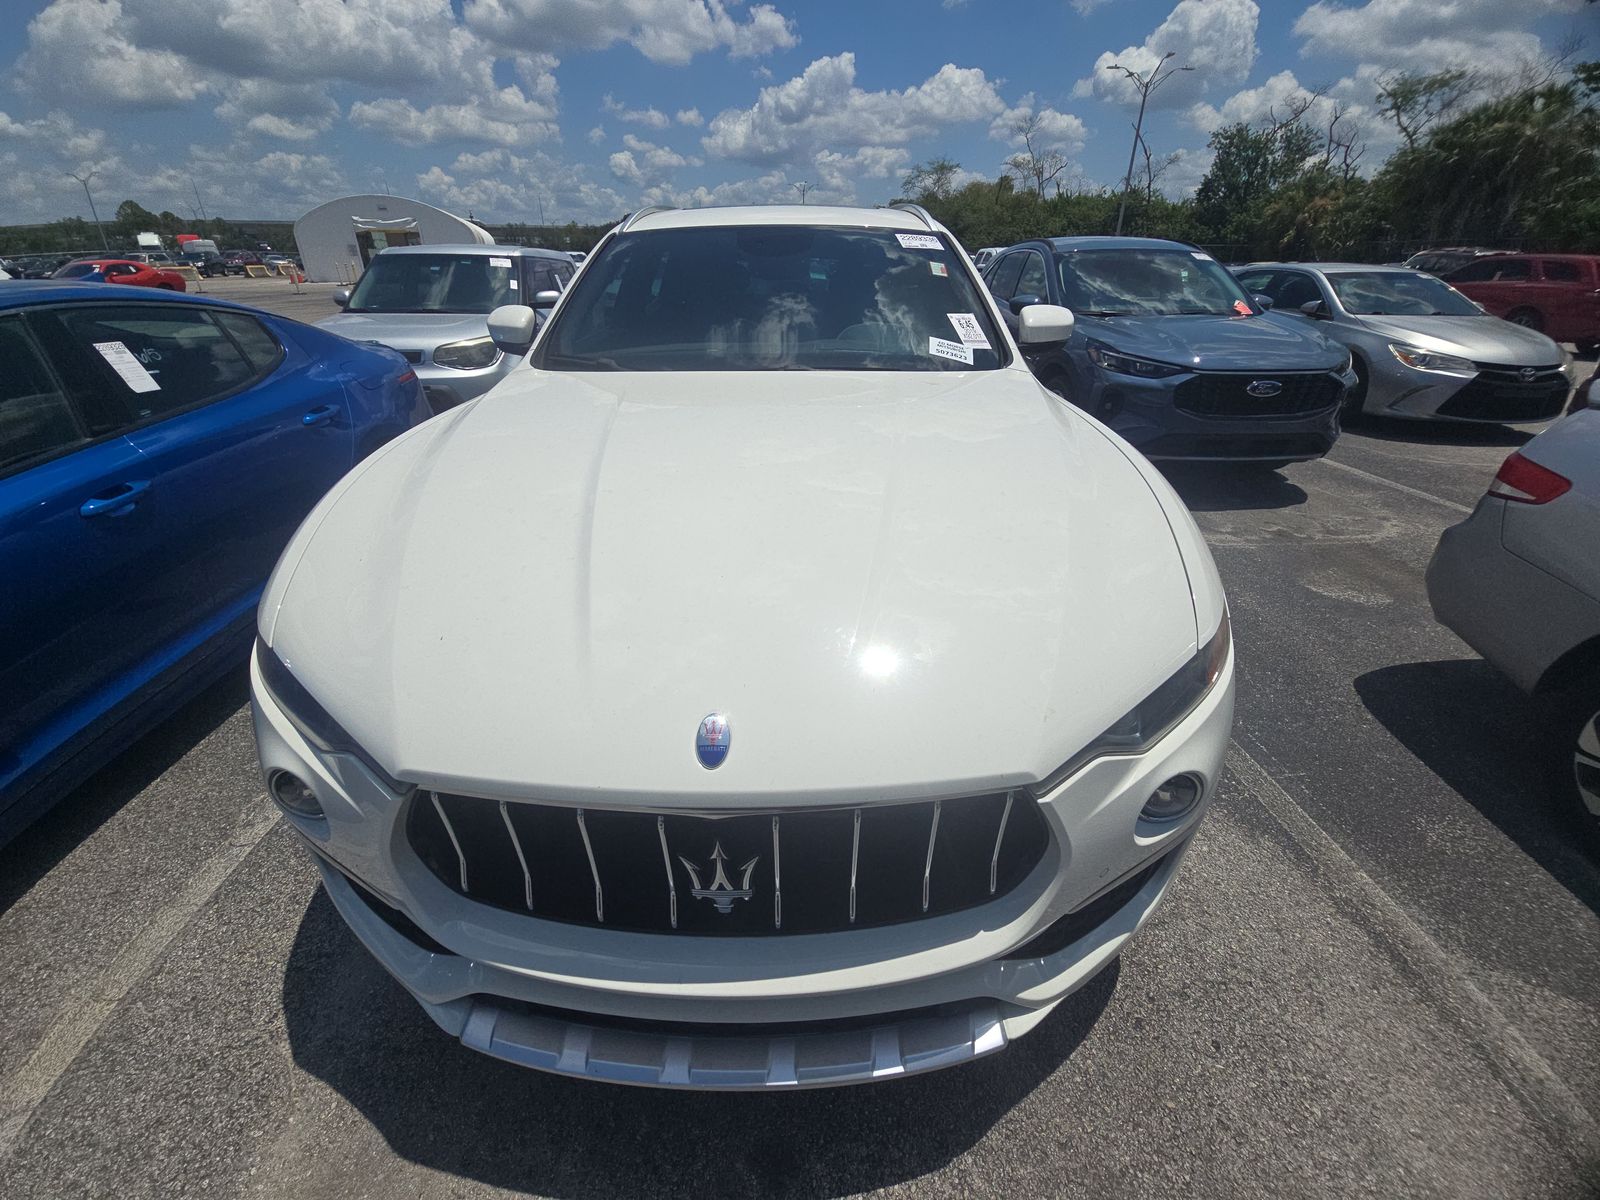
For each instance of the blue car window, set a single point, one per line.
(1003, 276)
(36, 419)
(171, 359)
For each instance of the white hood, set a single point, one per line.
(892, 585)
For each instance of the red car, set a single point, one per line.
(1557, 294)
(121, 270)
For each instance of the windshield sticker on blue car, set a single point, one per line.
(919, 241)
(126, 365)
(968, 330)
(952, 350)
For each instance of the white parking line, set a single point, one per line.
(22, 1094)
(1399, 487)
(1524, 1071)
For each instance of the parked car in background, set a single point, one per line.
(43, 266)
(1172, 354)
(1441, 260)
(153, 258)
(156, 453)
(1422, 349)
(577, 256)
(432, 303)
(207, 263)
(237, 260)
(1519, 581)
(1557, 294)
(1587, 393)
(982, 258)
(120, 270)
(793, 436)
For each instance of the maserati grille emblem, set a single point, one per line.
(711, 742)
(1262, 388)
(1528, 374)
(721, 893)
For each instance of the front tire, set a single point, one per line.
(1528, 318)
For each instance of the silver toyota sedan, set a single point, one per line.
(432, 303)
(1422, 350)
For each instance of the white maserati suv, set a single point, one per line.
(767, 685)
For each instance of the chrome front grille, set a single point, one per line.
(741, 873)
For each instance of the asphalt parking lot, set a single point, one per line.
(1379, 974)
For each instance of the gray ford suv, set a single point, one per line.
(432, 303)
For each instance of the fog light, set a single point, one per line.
(1172, 799)
(294, 794)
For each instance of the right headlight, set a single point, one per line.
(1106, 358)
(471, 355)
(1155, 716)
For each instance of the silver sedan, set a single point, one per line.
(1422, 350)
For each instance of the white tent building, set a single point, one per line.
(338, 239)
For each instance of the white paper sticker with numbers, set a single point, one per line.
(968, 330)
(919, 241)
(940, 348)
(130, 368)
(500, 262)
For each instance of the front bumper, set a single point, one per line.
(757, 1012)
(445, 387)
(1490, 398)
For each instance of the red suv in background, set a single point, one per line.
(1557, 294)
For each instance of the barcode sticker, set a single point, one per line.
(968, 330)
(919, 241)
(500, 262)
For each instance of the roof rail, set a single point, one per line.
(912, 206)
(633, 218)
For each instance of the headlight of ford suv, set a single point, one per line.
(1156, 715)
(1125, 364)
(1423, 360)
(472, 355)
(311, 719)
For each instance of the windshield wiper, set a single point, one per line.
(1102, 312)
(574, 363)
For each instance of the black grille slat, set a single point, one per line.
(1501, 394)
(1224, 394)
(816, 862)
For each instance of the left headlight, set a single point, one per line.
(1155, 716)
(313, 721)
(472, 355)
(1106, 358)
(1424, 360)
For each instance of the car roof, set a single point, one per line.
(1115, 243)
(471, 248)
(20, 293)
(1335, 267)
(780, 214)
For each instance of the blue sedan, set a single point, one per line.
(156, 453)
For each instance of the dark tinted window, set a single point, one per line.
(254, 338)
(423, 283)
(1260, 281)
(36, 420)
(1003, 277)
(76, 270)
(1032, 281)
(1491, 268)
(157, 360)
(1563, 272)
(1295, 289)
(1149, 283)
(772, 297)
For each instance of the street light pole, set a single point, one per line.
(1146, 84)
(84, 179)
(802, 187)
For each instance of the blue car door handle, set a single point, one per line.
(119, 502)
(320, 415)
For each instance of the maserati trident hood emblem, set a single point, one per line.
(721, 893)
(711, 742)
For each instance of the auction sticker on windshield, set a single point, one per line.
(126, 365)
(919, 241)
(968, 330)
(951, 350)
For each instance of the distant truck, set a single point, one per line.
(189, 243)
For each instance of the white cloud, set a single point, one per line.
(823, 109)
(1056, 130)
(501, 185)
(508, 117)
(83, 50)
(689, 116)
(835, 172)
(1085, 7)
(665, 31)
(294, 112)
(597, 135)
(1216, 37)
(1434, 33)
(650, 118)
(1352, 95)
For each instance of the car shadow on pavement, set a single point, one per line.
(37, 850)
(446, 1108)
(1483, 737)
(1442, 433)
(1225, 487)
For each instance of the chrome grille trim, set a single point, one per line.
(777, 879)
(599, 896)
(666, 861)
(994, 859)
(927, 869)
(855, 857)
(527, 879)
(454, 841)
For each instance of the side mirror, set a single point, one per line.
(512, 327)
(542, 300)
(1315, 309)
(1263, 302)
(342, 297)
(1018, 303)
(1044, 326)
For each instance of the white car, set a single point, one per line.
(767, 685)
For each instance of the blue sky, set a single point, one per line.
(583, 109)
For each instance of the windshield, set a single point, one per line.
(772, 298)
(434, 283)
(1149, 283)
(1391, 293)
(76, 270)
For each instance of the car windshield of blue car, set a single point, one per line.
(1149, 283)
(773, 298)
(435, 283)
(1399, 294)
